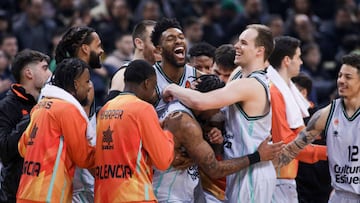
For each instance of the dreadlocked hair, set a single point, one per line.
(67, 71)
(209, 82)
(71, 41)
(162, 26)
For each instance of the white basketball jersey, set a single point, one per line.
(172, 184)
(163, 81)
(83, 182)
(343, 147)
(244, 134)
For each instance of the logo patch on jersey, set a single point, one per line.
(107, 139)
(228, 136)
(33, 135)
(336, 123)
(193, 172)
(187, 84)
(24, 112)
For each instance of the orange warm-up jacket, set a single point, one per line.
(282, 132)
(129, 142)
(52, 145)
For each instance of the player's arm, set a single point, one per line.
(158, 142)
(235, 91)
(117, 82)
(315, 126)
(78, 147)
(190, 135)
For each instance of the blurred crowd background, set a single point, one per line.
(328, 29)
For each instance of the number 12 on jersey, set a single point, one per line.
(353, 153)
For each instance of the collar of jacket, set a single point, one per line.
(20, 92)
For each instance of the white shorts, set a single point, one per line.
(285, 191)
(210, 198)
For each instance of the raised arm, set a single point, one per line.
(235, 91)
(315, 126)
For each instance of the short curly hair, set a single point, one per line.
(162, 26)
(202, 49)
(67, 71)
(208, 83)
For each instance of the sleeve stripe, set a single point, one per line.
(56, 166)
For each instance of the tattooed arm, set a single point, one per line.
(189, 134)
(315, 126)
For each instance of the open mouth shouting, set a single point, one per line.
(179, 53)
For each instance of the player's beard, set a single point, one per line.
(94, 60)
(172, 60)
(84, 102)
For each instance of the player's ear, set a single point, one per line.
(139, 43)
(260, 50)
(146, 84)
(158, 50)
(84, 48)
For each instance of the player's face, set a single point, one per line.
(245, 48)
(295, 63)
(223, 73)
(82, 87)
(151, 95)
(173, 47)
(149, 48)
(202, 63)
(40, 73)
(95, 51)
(348, 82)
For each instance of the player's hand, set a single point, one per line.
(182, 161)
(269, 151)
(167, 92)
(215, 136)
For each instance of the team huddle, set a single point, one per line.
(170, 133)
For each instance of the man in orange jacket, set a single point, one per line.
(55, 140)
(288, 109)
(130, 140)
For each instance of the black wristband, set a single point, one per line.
(254, 157)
